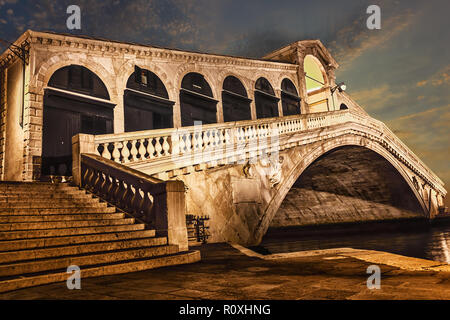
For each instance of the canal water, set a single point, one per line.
(418, 238)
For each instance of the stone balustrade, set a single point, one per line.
(170, 152)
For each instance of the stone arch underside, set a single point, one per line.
(347, 184)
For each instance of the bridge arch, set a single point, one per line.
(304, 162)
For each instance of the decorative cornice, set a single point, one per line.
(142, 51)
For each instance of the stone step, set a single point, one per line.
(53, 203)
(101, 270)
(21, 268)
(45, 196)
(68, 210)
(29, 234)
(41, 198)
(60, 217)
(22, 255)
(33, 184)
(47, 192)
(21, 189)
(22, 244)
(46, 225)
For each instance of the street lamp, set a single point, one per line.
(340, 87)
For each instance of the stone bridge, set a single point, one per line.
(320, 168)
(281, 144)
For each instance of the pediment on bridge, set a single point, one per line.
(290, 52)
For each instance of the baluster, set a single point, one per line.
(188, 143)
(142, 149)
(207, 140)
(125, 152)
(97, 146)
(166, 146)
(106, 153)
(158, 146)
(116, 152)
(182, 143)
(175, 141)
(217, 139)
(150, 148)
(147, 206)
(133, 150)
(200, 140)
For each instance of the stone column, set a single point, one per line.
(81, 143)
(251, 95)
(176, 109)
(279, 103)
(168, 213)
(302, 82)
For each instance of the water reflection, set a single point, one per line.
(421, 240)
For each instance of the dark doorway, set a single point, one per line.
(289, 98)
(196, 100)
(343, 107)
(236, 105)
(67, 113)
(146, 102)
(265, 100)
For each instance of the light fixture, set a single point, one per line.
(340, 86)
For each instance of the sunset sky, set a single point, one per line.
(399, 74)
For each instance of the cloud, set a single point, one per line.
(427, 134)
(354, 40)
(440, 78)
(378, 98)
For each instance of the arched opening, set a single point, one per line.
(236, 104)
(265, 100)
(75, 101)
(289, 98)
(317, 97)
(196, 101)
(348, 184)
(146, 102)
(343, 107)
(314, 76)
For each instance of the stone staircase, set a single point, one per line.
(45, 228)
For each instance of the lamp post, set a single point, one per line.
(340, 87)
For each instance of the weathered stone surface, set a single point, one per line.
(46, 236)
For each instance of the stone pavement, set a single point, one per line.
(227, 273)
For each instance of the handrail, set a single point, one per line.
(160, 204)
(124, 187)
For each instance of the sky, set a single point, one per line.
(399, 74)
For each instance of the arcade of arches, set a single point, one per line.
(80, 101)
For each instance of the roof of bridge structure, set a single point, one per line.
(33, 33)
(282, 53)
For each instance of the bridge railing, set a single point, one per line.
(160, 204)
(158, 144)
(235, 142)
